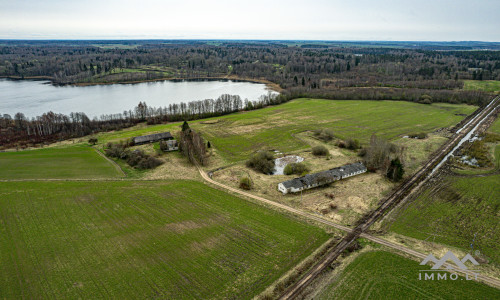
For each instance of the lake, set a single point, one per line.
(34, 98)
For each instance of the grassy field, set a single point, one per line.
(238, 135)
(495, 128)
(133, 239)
(384, 275)
(482, 85)
(453, 212)
(56, 163)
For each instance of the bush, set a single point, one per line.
(117, 150)
(425, 99)
(419, 135)
(378, 154)
(480, 152)
(331, 196)
(92, 141)
(262, 162)
(352, 144)
(245, 183)
(295, 168)
(324, 134)
(141, 160)
(320, 151)
(136, 158)
(149, 162)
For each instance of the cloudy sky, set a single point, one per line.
(404, 20)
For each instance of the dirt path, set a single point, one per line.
(489, 280)
(117, 167)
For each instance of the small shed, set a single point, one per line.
(170, 145)
(151, 138)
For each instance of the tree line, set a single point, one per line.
(20, 131)
(288, 66)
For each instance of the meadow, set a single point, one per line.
(384, 275)
(482, 85)
(238, 135)
(69, 162)
(142, 239)
(457, 211)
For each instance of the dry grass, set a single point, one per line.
(353, 196)
(438, 250)
(417, 151)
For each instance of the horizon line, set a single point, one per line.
(244, 39)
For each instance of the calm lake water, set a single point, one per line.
(36, 97)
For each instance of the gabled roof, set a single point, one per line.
(153, 137)
(324, 177)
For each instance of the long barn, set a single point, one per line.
(151, 138)
(310, 181)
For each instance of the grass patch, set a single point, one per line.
(132, 239)
(453, 212)
(482, 85)
(384, 275)
(80, 162)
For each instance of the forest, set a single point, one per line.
(425, 74)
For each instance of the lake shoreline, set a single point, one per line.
(35, 96)
(270, 85)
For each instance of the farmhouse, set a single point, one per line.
(310, 181)
(138, 140)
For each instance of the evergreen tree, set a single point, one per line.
(396, 170)
(185, 126)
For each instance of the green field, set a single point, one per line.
(482, 85)
(138, 239)
(454, 211)
(71, 162)
(495, 128)
(384, 275)
(237, 135)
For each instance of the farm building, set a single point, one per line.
(310, 181)
(170, 145)
(163, 136)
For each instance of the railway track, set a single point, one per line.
(423, 174)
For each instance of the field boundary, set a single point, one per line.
(117, 167)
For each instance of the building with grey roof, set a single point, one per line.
(310, 181)
(163, 136)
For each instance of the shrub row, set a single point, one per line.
(135, 158)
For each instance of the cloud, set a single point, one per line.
(258, 19)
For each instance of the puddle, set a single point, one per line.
(282, 162)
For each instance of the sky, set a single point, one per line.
(391, 20)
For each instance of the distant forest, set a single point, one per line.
(419, 72)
